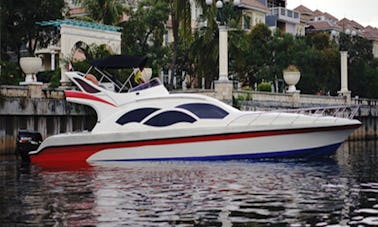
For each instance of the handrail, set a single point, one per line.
(335, 111)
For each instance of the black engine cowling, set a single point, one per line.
(27, 141)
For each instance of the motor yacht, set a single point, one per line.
(147, 123)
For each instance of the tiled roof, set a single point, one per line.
(253, 4)
(318, 13)
(349, 24)
(356, 25)
(306, 13)
(370, 33)
(76, 11)
(304, 10)
(329, 16)
(345, 24)
(324, 26)
(90, 25)
(309, 15)
(332, 23)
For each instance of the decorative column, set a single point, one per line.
(344, 76)
(223, 86)
(223, 53)
(52, 60)
(344, 71)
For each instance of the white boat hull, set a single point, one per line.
(301, 142)
(260, 147)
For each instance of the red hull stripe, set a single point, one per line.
(80, 153)
(82, 95)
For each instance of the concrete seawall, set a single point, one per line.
(47, 113)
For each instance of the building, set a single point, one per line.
(371, 34)
(74, 10)
(318, 20)
(253, 12)
(346, 24)
(282, 18)
(323, 21)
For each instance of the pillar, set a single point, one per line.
(223, 53)
(344, 71)
(52, 60)
(344, 77)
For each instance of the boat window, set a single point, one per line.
(152, 83)
(205, 110)
(86, 87)
(169, 118)
(135, 115)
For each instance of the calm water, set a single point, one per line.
(341, 191)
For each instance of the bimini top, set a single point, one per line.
(123, 61)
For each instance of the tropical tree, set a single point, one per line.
(179, 10)
(91, 52)
(143, 33)
(318, 60)
(204, 51)
(361, 65)
(258, 54)
(372, 80)
(103, 11)
(180, 13)
(19, 24)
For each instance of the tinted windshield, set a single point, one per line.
(152, 83)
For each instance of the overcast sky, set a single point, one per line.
(364, 12)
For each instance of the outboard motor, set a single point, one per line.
(27, 141)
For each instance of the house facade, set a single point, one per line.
(279, 17)
(325, 22)
(253, 13)
(371, 34)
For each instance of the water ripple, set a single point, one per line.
(286, 193)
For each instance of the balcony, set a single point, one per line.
(285, 15)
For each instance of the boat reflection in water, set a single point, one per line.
(340, 190)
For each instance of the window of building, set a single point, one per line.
(205, 110)
(169, 118)
(135, 115)
(276, 3)
(246, 22)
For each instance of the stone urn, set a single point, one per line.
(30, 66)
(291, 76)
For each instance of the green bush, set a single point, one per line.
(81, 66)
(264, 86)
(55, 78)
(10, 73)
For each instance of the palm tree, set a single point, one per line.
(181, 28)
(103, 11)
(205, 48)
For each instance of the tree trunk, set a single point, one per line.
(175, 26)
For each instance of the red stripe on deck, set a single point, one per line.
(82, 95)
